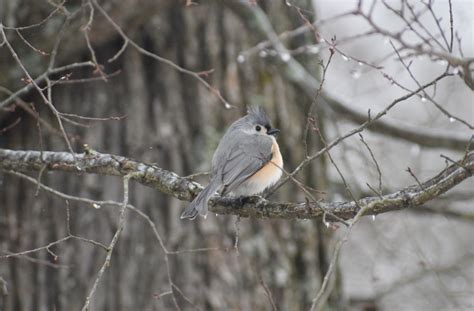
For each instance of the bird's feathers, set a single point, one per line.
(240, 154)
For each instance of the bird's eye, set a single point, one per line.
(258, 128)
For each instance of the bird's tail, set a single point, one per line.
(199, 205)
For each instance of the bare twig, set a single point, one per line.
(130, 42)
(41, 78)
(46, 100)
(425, 95)
(10, 126)
(29, 44)
(59, 7)
(309, 115)
(335, 257)
(296, 73)
(269, 294)
(112, 244)
(379, 172)
(414, 177)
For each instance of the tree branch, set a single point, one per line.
(167, 182)
(256, 20)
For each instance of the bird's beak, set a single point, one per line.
(273, 131)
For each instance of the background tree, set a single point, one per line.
(367, 94)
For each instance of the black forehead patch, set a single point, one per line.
(258, 115)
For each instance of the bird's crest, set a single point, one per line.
(257, 114)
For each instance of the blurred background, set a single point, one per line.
(417, 259)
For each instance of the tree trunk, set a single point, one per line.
(172, 120)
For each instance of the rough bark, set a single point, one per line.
(174, 121)
(184, 189)
(171, 119)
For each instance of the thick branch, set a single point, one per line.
(170, 183)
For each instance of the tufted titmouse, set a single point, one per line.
(246, 162)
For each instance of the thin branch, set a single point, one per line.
(379, 172)
(289, 34)
(317, 300)
(309, 115)
(425, 95)
(294, 72)
(418, 48)
(97, 204)
(112, 244)
(41, 78)
(59, 7)
(34, 250)
(10, 126)
(143, 51)
(38, 261)
(30, 45)
(268, 294)
(47, 100)
(85, 29)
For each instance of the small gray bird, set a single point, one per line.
(246, 162)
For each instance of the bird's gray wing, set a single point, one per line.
(244, 159)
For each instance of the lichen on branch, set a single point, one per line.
(92, 162)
